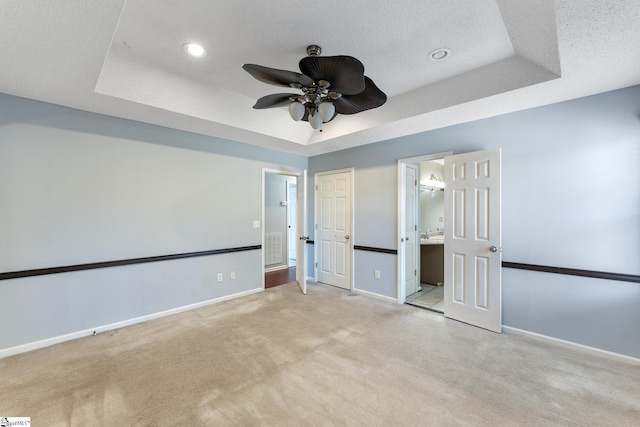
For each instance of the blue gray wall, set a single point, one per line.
(77, 187)
(571, 198)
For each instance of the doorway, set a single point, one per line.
(284, 223)
(422, 231)
(430, 212)
(471, 236)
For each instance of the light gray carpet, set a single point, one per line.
(327, 358)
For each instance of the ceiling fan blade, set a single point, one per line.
(371, 97)
(277, 77)
(273, 101)
(345, 73)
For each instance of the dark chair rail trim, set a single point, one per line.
(573, 272)
(506, 264)
(379, 250)
(119, 263)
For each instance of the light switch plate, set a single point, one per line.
(256, 224)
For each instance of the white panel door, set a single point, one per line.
(472, 247)
(334, 229)
(301, 230)
(410, 240)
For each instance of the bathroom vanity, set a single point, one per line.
(432, 260)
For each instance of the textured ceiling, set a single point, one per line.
(125, 59)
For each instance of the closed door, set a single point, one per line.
(333, 235)
(472, 261)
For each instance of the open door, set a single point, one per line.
(411, 237)
(472, 247)
(301, 229)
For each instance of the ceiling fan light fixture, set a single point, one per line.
(326, 110)
(315, 120)
(296, 110)
(194, 49)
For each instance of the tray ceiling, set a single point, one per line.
(125, 59)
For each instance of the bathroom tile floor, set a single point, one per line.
(431, 297)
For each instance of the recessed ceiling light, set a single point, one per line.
(439, 54)
(194, 49)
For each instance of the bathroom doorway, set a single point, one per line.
(422, 278)
(430, 211)
(471, 233)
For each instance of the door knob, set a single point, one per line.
(493, 249)
(304, 238)
(347, 237)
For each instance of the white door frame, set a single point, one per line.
(315, 220)
(411, 236)
(265, 171)
(400, 291)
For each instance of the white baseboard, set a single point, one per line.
(11, 351)
(276, 268)
(575, 346)
(376, 296)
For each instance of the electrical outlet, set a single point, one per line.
(219, 277)
(376, 274)
(256, 224)
(233, 275)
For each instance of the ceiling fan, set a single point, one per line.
(330, 85)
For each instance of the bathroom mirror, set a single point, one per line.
(431, 196)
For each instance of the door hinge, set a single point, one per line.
(415, 183)
(316, 265)
(316, 188)
(415, 227)
(415, 272)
